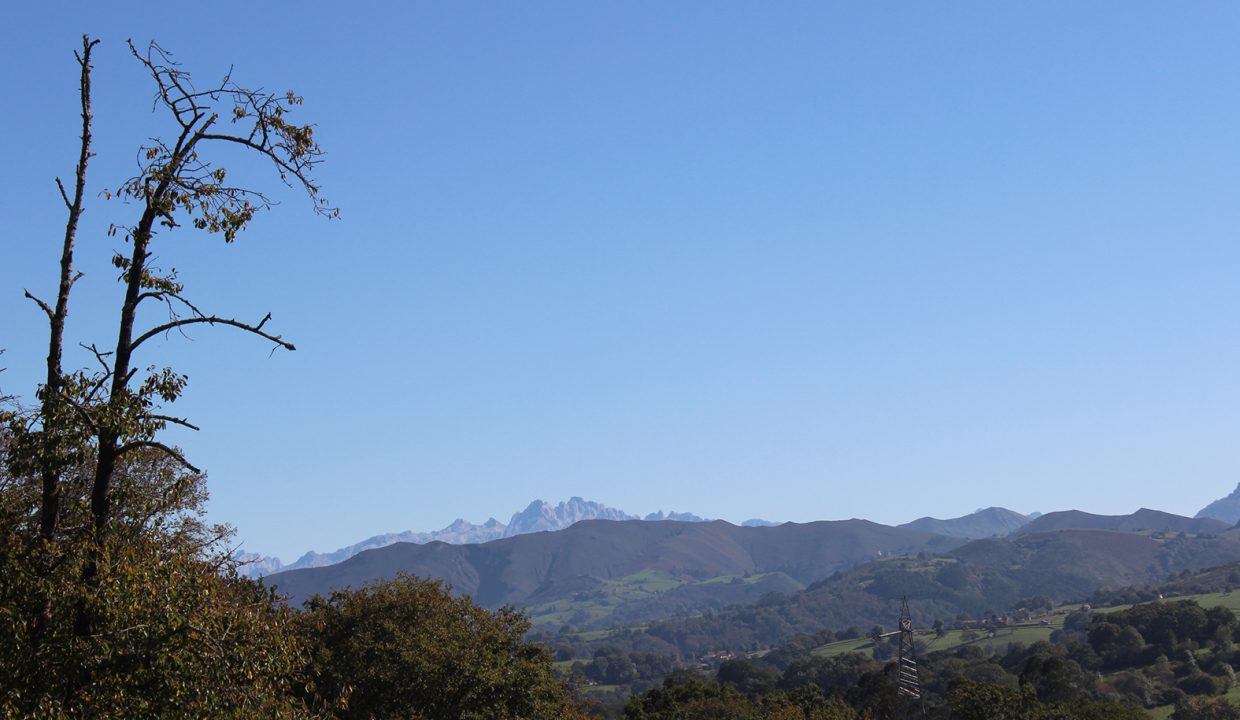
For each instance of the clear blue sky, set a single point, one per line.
(791, 260)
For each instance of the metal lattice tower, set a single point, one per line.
(908, 674)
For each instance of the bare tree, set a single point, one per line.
(115, 409)
(54, 438)
(111, 582)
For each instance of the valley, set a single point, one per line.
(674, 594)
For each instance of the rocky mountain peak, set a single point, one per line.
(1226, 508)
(673, 515)
(541, 516)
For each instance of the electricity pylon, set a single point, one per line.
(906, 662)
(908, 674)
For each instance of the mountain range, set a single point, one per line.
(538, 516)
(1143, 520)
(988, 522)
(585, 564)
(598, 573)
(541, 516)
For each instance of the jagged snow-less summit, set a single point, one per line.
(1226, 509)
(759, 522)
(538, 516)
(255, 565)
(673, 515)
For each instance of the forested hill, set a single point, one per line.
(600, 573)
(657, 558)
(984, 575)
(989, 522)
(1143, 520)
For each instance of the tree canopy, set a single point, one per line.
(408, 648)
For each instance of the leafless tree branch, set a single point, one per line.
(64, 195)
(214, 320)
(101, 357)
(155, 444)
(42, 305)
(174, 420)
(167, 296)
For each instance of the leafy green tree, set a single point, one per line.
(407, 648)
(817, 706)
(1117, 645)
(978, 701)
(1199, 683)
(1203, 708)
(684, 696)
(878, 693)
(1166, 625)
(175, 628)
(612, 666)
(1096, 710)
(831, 674)
(1055, 679)
(749, 677)
(1136, 685)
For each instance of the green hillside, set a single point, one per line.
(652, 593)
(1025, 633)
(599, 573)
(983, 576)
(997, 642)
(986, 640)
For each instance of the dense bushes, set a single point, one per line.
(170, 625)
(177, 633)
(408, 648)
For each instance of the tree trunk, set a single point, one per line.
(49, 508)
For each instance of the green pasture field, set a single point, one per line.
(597, 689)
(598, 603)
(1025, 633)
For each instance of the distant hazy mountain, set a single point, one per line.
(673, 515)
(668, 566)
(459, 532)
(538, 516)
(1226, 509)
(759, 522)
(255, 565)
(1141, 520)
(990, 522)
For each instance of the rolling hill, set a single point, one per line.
(1143, 520)
(620, 567)
(983, 575)
(990, 522)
